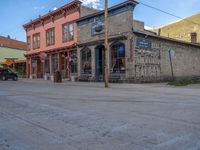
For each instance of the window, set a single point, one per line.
(67, 32)
(86, 58)
(47, 65)
(50, 37)
(118, 58)
(64, 32)
(73, 61)
(71, 31)
(34, 62)
(36, 41)
(55, 62)
(29, 42)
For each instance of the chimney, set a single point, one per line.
(159, 31)
(193, 37)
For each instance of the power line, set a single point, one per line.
(168, 13)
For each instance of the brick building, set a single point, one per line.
(52, 40)
(135, 53)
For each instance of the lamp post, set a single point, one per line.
(106, 44)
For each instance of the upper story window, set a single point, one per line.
(36, 41)
(68, 32)
(29, 42)
(50, 37)
(71, 31)
(64, 32)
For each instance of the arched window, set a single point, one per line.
(86, 59)
(118, 58)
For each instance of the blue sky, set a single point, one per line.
(15, 13)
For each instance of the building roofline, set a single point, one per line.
(9, 43)
(13, 39)
(166, 38)
(133, 2)
(16, 49)
(51, 13)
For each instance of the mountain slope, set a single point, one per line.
(181, 29)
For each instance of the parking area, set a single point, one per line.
(41, 115)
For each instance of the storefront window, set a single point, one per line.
(55, 62)
(86, 66)
(47, 65)
(118, 58)
(73, 61)
(34, 65)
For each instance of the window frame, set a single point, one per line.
(69, 36)
(36, 41)
(86, 60)
(66, 33)
(28, 40)
(116, 57)
(50, 37)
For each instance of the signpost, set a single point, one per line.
(170, 58)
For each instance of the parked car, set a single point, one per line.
(6, 74)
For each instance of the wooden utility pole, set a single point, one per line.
(106, 44)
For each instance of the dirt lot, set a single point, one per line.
(40, 115)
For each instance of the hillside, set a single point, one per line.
(181, 29)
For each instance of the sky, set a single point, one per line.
(15, 13)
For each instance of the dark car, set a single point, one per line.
(6, 74)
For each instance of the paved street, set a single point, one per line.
(41, 115)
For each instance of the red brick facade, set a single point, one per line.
(52, 40)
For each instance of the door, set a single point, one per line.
(100, 63)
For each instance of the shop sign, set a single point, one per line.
(98, 27)
(143, 43)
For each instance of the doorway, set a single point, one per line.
(100, 63)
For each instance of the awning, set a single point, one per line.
(7, 62)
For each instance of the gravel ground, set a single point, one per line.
(41, 115)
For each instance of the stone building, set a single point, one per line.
(135, 53)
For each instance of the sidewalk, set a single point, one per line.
(95, 84)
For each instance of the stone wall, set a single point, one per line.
(185, 60)
(154, 63)
(118, 24)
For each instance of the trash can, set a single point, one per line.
(45, 77)
(73, 78)
(57, 77)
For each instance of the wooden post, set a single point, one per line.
(171, 65)
(31, 68)
(68, 62)
(27, 67)
(106, 44)
(60, 62)
(51, 64)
